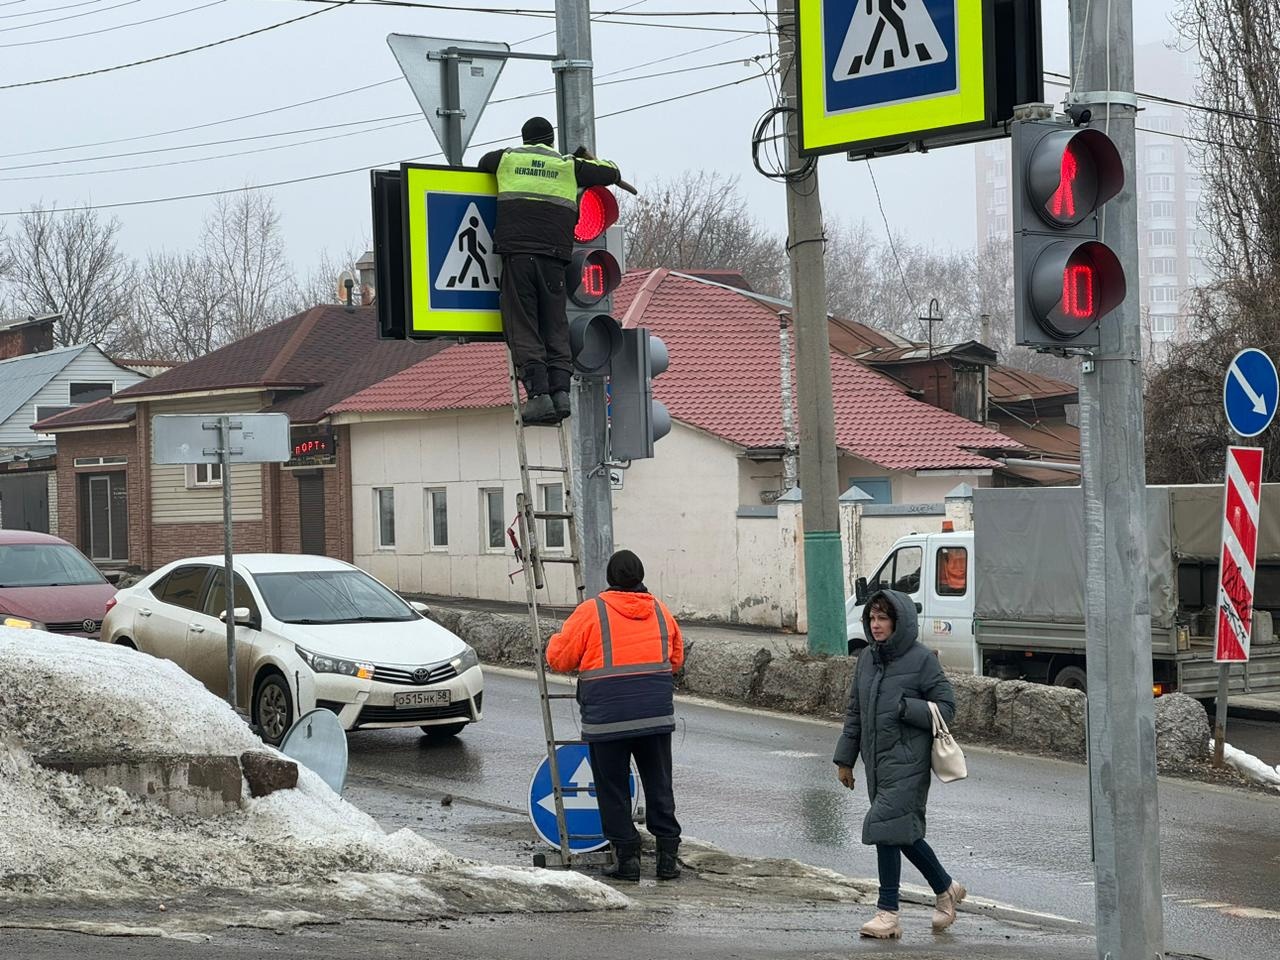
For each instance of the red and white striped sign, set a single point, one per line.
(1239, 554)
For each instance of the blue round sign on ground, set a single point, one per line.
(581, 814)
(1250, 392)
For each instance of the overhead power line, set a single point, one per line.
(314, 100)
(118, 26)
(68, 6)
(334, 5)
(362, 169)
(1059, 78)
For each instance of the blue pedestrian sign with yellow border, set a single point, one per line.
(888, 72)
(452, 271)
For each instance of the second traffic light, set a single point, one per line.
(636, 420)
(1065, 278)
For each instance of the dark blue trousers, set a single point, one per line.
(922, 857)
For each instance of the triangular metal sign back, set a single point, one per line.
(427, 66)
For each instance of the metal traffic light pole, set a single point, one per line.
(576, 120)
(1121, 708)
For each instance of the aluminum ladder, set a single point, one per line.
(533, 560)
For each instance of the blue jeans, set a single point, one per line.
(922, 857)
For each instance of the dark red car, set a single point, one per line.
(47, 584)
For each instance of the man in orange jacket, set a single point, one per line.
(626, 647)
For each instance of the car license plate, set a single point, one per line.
(423, 698)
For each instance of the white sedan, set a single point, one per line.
(310, 632)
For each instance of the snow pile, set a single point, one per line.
(70, 696)
(1250, 766)
(63, 839)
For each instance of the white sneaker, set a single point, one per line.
(883, 926)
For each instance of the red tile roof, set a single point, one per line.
(724, 378)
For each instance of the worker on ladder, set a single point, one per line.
(626, 647)
(537, 211)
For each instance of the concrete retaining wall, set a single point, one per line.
(1011, 714)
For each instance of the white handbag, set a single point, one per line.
(946, 757)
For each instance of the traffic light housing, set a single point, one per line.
(1065, 278)
(636, 420)
(590, 279)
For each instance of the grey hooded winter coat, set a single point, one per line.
(889, 723)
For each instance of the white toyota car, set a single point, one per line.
(310, 632)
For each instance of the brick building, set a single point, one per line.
(156, 513)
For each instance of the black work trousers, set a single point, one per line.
(611, 764)
(532, 300)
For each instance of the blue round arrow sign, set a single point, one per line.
(1250, 392)
(581, 813)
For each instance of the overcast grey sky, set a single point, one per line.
(928, 199)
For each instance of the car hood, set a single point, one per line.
(69, 604)
(409, 642)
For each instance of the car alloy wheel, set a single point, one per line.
(274, 710)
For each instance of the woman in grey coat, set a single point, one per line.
(888, 722)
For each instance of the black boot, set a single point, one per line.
(627, 866)
(560, 400)
(538, 410)
(668, 863)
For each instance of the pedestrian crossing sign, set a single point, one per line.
(452, 271)
(883, 73)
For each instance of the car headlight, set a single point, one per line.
(20, 623)
(466, 660)
(321, 663)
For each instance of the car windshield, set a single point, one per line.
(45, 565)
(330, 596)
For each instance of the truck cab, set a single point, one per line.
(936, 571)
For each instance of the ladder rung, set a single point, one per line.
(567, 743)
(556, 559)
(538, 468)
(562, 696)
(553, 515)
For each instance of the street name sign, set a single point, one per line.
(194, 438)
(451, 271)
(1250, 392)
(1239, 554)
(889, 72)
(581, 812)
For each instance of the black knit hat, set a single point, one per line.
(625, 571)
(538, 130)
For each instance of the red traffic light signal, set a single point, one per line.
(1071, 173)
(1073, 285)
(1066, 278)
(597, 212)
(592, 275)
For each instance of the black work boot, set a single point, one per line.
(627, 865)
(560, 400)
(538, 409)
(668, 863)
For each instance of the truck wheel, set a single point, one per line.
(1073, 678)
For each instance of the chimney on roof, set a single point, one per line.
(349, 284)
(986, 330)
(30, 335)
(368, 278)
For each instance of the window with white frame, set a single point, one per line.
(1160, 154)
(203, 475)
(1161, 123)
(1160, 183)
(553, 531)
(1164, 294)
(1162, 324)
(384, 518)
(1162, 210)
(81, 393)
(1164, 266)
(437, 511)
(493, 516)
(1164, 238)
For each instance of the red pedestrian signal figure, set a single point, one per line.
(1063, 204)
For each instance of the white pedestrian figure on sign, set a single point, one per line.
(469, 243)
(888, 35)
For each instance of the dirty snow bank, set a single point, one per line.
(1250, 766)
(61, 838)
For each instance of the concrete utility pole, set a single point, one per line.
(819, 480)
(576, 121)
(1122, 735)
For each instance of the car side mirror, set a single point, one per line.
(242, 615)
(860, 591)
(420, 607)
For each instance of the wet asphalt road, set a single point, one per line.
(1016, 830)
